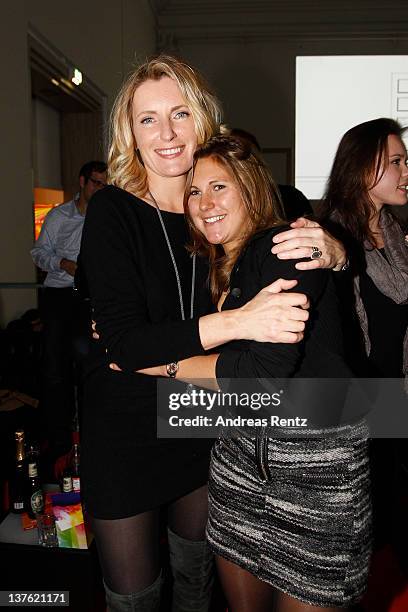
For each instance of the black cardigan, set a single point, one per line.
(319, 356)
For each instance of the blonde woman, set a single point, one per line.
(150, 301)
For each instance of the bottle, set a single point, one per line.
(71, 479)
(67, 480)
(75, 465)
(19, 485)
(35, 499)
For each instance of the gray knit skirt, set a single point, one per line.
(294, 512)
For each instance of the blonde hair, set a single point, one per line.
(125, 168)
(259, 194)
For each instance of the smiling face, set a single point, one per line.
(163, 128)
(215, 205)
(391, 188)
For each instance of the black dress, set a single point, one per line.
(126, 469)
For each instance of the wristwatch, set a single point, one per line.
(172, 369)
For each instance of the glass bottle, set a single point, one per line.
(19, 482)
(35, 499)
(75, 469)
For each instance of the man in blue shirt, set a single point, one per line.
(64, 313)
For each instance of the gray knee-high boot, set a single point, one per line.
(147, 600)
(192, 567)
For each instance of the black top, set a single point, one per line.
(295, 203)
(134, 294)
(132, 281)
(319, 355)
(387, 326)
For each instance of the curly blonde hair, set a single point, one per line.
(125, 168)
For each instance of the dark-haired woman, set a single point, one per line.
(288, 518)
(368, 179)
(369, 175)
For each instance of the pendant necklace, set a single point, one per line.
(173, 259)
(190, 386)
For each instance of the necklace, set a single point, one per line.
(173, 259)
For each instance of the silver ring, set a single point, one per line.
(316, 253)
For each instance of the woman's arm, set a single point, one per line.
(110, 261)
(199, 369)
(275, 314)
(258, 359)
(264, 359)
(298, 242)
(257, 312)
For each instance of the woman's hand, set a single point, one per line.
(273, 315)
(298, 243)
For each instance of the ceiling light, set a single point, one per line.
(77, 77)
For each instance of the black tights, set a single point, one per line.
(129, 548)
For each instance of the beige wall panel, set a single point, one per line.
(80, 144)
(139, 33)
(15, 302)
(16, 225)
(102, 37)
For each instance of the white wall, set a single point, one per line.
(332, 95)
(101, 37)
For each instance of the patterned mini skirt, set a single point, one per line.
(296, 513)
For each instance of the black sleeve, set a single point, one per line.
(265, 359)
(109, 256)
